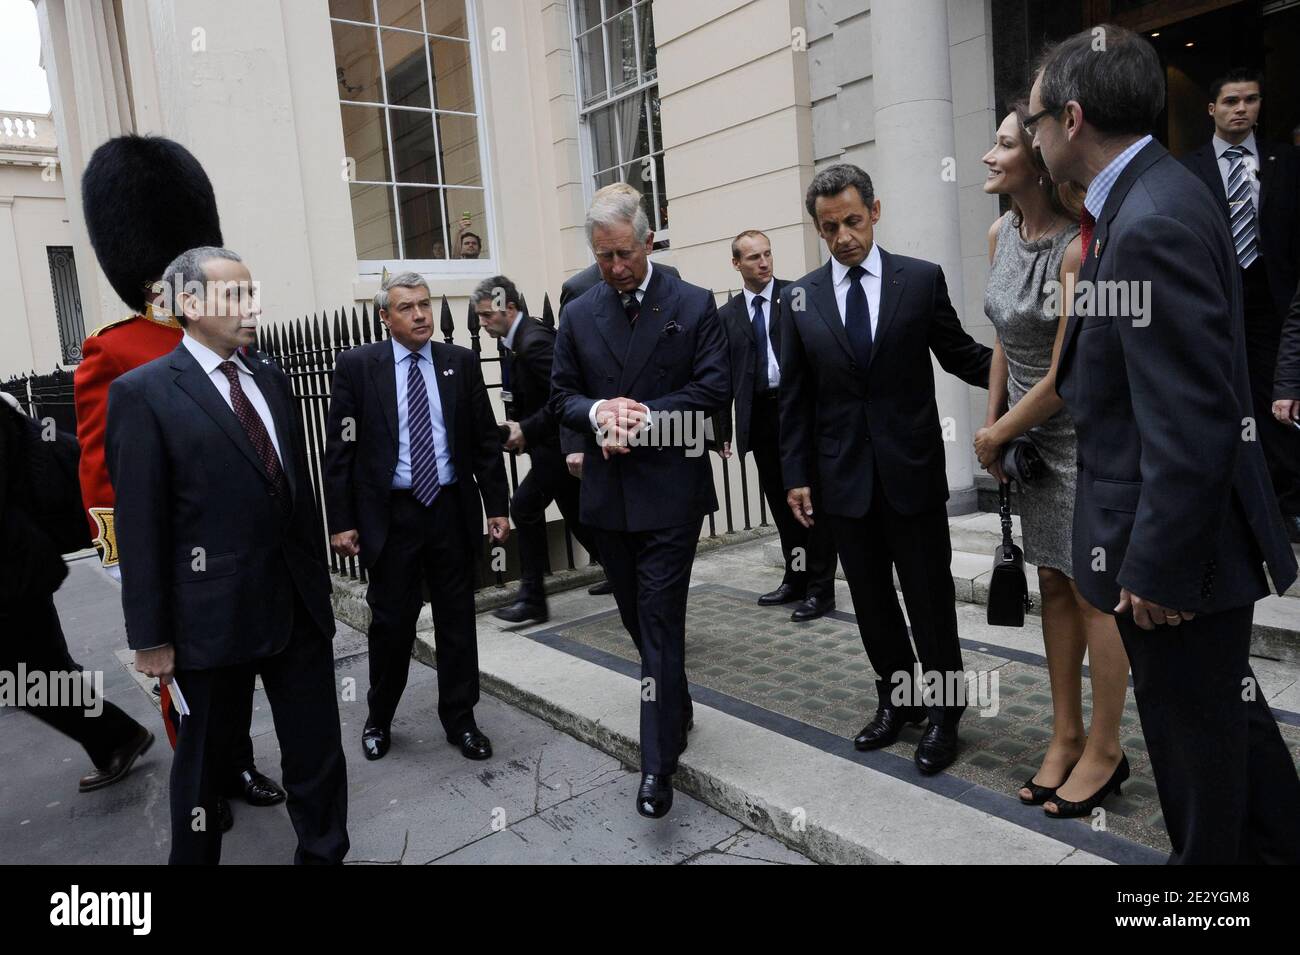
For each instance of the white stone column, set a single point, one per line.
(88, 95)
(914, 173)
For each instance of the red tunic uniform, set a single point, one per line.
(109, 351)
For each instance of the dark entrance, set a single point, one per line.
(1198, 40)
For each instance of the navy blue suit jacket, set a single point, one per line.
(675, 360)
(841, 424)
(209, 562)
(1174, 500)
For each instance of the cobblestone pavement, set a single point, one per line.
(818, 673)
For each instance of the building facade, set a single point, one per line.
(345, 137)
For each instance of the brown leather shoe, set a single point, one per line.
(119, 764)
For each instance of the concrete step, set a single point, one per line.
(1276, 634)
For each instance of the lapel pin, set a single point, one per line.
(449, 372)
(1096, 249)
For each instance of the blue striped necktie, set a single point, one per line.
(1241, 205)
(419, 428)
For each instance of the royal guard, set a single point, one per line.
(146, 200)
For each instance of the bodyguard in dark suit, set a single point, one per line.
(411, 446)
(751, 321)
(1286, 382)
(41, 518)
(640, 364)
(529, 348)
(1257, 186)
(1175, 520)
(859, 421)
(222, 569)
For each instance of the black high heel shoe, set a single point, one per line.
(1039, 793)
(1066, 809)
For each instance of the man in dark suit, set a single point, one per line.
(571, 442)
(529, 349)
(411, 445)
(1174, 519)
(640, 365)
(222, 569)
(751, 321)
(1286, 383)
(859, 421)
(40, 520)
(1257, 186)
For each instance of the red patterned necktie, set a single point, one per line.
(1086, 224)
(255, 428)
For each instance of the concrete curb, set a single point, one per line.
(846, 813)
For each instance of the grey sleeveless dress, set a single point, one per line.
(1014, 300)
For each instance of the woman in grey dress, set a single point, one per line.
(1031, 249)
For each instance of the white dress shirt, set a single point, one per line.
(210, 362)
(773, 367)
(639, 291)
(1251, 159)
(870, 284)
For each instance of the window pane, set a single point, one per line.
(453, 83)
(615, 7)
(646, 24)
(356, 61)
(622, 53)
(424, 234)
(588, 13)
(459, 142)
(661, 192)
(465, 213)
(414, 154)
(638, 176)
(591, 66)
(604, 147)
(657, 137)
(632, 124)
(446, 17)
(365, 141)
(400, 13)
(405, 68)
(353, 10)
(373, 222)
(608, 177)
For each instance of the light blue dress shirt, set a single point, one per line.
(401, 369)
(1099, 189)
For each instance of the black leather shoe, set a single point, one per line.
(784, 594)
(473, 744)
(257, 789)
(887, 725)
(655, 796)
(601, 589)
(812, 608)
(375, 741)
(520, 611)
(225, 815)
(937, 749)
(119, 763)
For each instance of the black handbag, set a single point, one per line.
(1008, 589)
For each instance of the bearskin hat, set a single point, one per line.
(146, 200)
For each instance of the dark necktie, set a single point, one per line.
(857, 317)
(631, 307)
(419, 430)
(1241, 204)
(1086, 224)
(762, 367)
(255, 428)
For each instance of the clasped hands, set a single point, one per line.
(618, 421)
